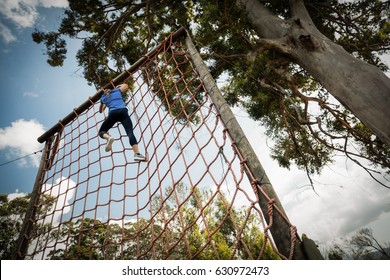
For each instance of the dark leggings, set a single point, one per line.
(119, 115)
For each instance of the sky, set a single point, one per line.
(35, 96)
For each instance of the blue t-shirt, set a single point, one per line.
(114, 101)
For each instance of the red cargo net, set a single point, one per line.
(192, 199)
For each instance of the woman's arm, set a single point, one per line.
(102, 107)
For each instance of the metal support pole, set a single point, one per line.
(28, 222)
(280, 227)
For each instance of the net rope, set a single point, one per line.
(192, 199)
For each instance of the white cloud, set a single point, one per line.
(6, 34)
(30, 94)
(12, 196)
(63, 190)
(20, 139)
(24, 13)
(52, 3)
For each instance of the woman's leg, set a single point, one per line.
(128, 126)
(107, 124)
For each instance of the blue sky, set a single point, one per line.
(35, 96)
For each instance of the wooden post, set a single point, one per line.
(28, 222)
(281, 230)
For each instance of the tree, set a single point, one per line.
(11, 219)
(273, 77)
(201, 225)
(12, 214)
(210, 233)
(362, 245)
(187, 224)
(326, 61)
(287, 63)
(87, 239)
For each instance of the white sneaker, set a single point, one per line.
(139, 157)
(109, 144)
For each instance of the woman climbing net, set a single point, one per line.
(115, 101)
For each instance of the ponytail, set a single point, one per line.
(107, 92)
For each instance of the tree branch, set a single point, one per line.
(298, 10)
(266, 24)
(116, 26)
(279, 45)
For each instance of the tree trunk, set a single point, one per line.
(361, 87)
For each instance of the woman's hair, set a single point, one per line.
(107, 92)
(124, 94)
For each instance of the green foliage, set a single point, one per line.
(11, 219)
(55, 46)
(203, 227)
(115, 33)
(280, 95)
(12, 214)
(367, 29)
(178, 87)
(214, 233)
(189, 223)
(88, 239)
